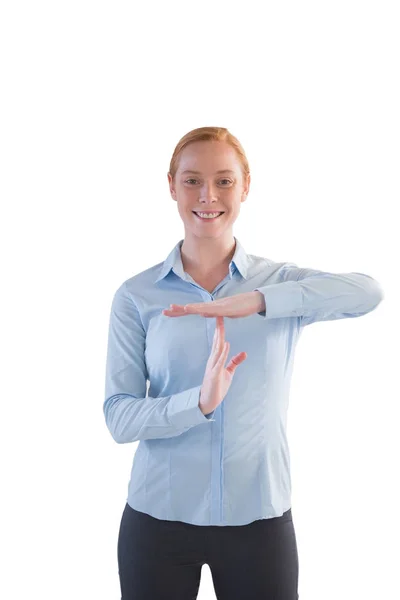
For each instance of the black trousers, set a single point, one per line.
(162, 560)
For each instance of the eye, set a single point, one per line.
(191, 179)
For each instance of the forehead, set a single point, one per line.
(209, 157)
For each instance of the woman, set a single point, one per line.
(210, 481)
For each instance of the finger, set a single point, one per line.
(221, 337)
(214, 348)
(236, 361)
(175, 308)
(216, 337)
(221, 329)
(224, 353)
(219, 323)
(173, 312)
(219, 342)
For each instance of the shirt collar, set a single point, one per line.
(240, 261)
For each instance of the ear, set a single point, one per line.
(171, 187)
(246, 187)
(248, 184)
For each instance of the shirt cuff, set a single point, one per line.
(184, 410)
(281, 300)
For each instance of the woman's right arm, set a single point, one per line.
(130, 415)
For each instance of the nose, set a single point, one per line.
(208, 194)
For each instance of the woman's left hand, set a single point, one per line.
(240, 305)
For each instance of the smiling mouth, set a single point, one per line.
(208, 218)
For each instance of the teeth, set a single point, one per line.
(208, 215)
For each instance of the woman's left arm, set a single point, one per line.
(317, 295)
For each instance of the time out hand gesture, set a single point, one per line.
(218, 378)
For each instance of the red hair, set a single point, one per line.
(218, 134)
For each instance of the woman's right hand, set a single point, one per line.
(217, 377)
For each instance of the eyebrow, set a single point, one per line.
(199, 173)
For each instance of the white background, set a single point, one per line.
(94, 98)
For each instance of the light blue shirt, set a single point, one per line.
(232, 466)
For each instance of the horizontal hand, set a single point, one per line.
(240, 305)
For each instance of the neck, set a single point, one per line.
(207, 255)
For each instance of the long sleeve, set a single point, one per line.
(316, 295)
(130, 415)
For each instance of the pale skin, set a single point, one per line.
(211, 243)
(239, 305)
(209, 177)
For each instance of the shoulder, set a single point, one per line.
(140, 281)
(259, 264)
